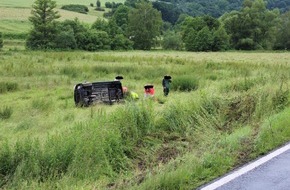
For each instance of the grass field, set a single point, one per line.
(22, 14)
(14, 15)
(223, 110)
(28, 3)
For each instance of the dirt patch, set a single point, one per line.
(166, 153)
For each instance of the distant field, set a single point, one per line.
(14, 14)
(14, 26)
(15, 20)
(22, 14)
(28, 3)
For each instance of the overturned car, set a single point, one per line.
(86, 94)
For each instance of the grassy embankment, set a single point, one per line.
(236, 109)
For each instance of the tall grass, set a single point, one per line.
(185, 83)
(218, 115)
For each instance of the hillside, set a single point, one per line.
(28, 3)
(215, 8)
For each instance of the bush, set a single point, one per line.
(185, 83)
(108, 5)
(65, 38)
(76, 8)
(172, 41)
(93, 40)
(98, 3)
(99, 9)
(78, 30)
(120, 42)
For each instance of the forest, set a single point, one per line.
(215, 8)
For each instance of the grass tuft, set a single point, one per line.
(6, 112)
(8, 87)
(185, 83)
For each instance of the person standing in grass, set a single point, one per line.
(149, 90)
(166, 84)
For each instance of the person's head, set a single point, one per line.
(118, 78)
(168, 77)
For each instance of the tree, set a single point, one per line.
(1, 41)
(204, 40)
(93, 40)
(44, 25)
(78, 30)
(283, 34)
(98, 3)
(172, 40)
(170, 12)
(65, 38)
(204, 34)
(144, 25)
(254, 27)
(100, 24)
(121, 17)
(220, 40)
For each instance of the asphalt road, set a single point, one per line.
(271, 172)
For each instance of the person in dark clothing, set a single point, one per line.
(166, 84)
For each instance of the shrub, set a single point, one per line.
(108, 5)
(100, 24)
(99, 9)
(6, 113)
(93, 40)
(185, 83)
(65, 38)
(76, 8)
(98, 3)
(120, 42)
(172, 41)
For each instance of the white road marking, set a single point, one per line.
(246, 169)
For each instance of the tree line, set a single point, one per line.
(214, 8)
(136, 24)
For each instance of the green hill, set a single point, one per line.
(172, 8)
(28, 3)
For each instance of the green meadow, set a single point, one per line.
(28, 3)
(14, 23)
(224, 109)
